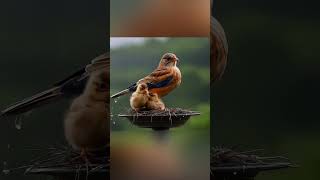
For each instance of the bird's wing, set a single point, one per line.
(97, 63)
(75, 83)
(72, 85)
(158, 78)
(73, 76)
(102, 61)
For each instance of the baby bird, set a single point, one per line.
(140, 97)
(154, 102)
(87, 123)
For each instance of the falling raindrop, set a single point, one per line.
(116, 100)
(18, 123)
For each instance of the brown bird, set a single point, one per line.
(154, 102)
(219, 50)
(164, 79)
(140, 97)
(86, 124)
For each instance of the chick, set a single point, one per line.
(154, 102)
(140, 97)
(87, 122)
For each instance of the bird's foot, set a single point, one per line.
(85, 157)
(136, 111)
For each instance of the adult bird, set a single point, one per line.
(219, 50)
(72, 86)
(165, 78)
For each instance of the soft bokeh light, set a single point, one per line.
(152, 18)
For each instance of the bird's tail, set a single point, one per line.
(121, 93)
(30, 103)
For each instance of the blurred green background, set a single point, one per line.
(269, 96)
(133, 62)
(42, 42)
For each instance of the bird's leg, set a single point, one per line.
(84, 156)
(136, 110)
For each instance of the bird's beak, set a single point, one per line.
(177, 59)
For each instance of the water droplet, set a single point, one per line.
(113, 122)
(18, 123)
(116, 100)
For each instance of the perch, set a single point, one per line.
(160, 120)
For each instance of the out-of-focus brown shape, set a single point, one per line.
(164, 18)
(219, 50)
(137, 162)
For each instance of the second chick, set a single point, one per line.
(140, 97)
(154, 102)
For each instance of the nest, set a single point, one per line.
(159, 119)
(65, 161)
(227, 162)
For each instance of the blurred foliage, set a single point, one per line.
(269, 95)
(131, 63)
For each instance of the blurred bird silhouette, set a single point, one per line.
(155, 103)
(86, 124)
(140, 97)
(219, 50)
(71, 86)
(149, 17)
(165, 78)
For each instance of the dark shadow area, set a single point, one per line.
(42, 42)
(268, 97)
